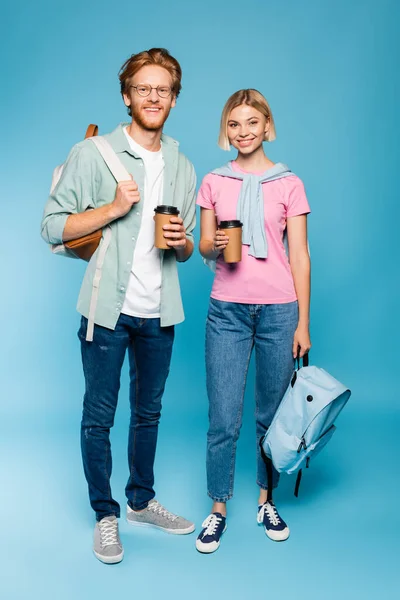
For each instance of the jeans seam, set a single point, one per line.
(238, 420)
(135, 432)
(256, 417)
(106, 474)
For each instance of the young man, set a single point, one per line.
(138, 299)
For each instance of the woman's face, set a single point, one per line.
(247, 128)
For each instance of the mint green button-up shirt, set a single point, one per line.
(86, 182)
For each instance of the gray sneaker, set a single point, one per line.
(155, 515)
(107, 546)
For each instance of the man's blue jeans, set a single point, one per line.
(232, 331)
(149, 349)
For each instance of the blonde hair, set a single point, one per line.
(252, 98)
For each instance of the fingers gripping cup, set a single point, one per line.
(162, 217)
(233, 251)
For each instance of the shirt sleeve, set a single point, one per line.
(297, 203)
(204, 196)
(189, 212)
(72, 194)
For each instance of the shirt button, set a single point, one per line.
(138, 213)
(122, 289)
(133, 240)
(128, 262)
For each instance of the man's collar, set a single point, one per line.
(120, 143)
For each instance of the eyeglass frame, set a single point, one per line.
(151, 88)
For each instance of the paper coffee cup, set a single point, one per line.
(163, 214)
(233, 251)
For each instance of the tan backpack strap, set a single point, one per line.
(91, 131)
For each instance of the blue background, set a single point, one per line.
(329, 70)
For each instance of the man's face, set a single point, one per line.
(150, 112)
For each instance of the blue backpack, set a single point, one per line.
(304, 421)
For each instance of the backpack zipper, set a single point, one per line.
(302, 445)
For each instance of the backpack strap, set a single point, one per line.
(305, 364)
(299, 476)
(268, 465)
(91, 131)
(298, 359)
(298, 481)
(111, 159)
(119, 173)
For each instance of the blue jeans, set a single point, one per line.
(232, 331)
(149, 349)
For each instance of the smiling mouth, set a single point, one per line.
(152, 109)
(245, 142)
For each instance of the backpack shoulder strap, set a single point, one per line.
(91, 131)
(120, 174)
(111, 159)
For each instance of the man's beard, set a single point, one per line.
(149, 124)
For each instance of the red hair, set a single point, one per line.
(155, 56)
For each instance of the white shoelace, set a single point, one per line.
(211, 524)
(270, 511)
(108, 532)
(158, 508)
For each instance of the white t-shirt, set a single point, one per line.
(144, 287)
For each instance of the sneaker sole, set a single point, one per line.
(278, 536)
(109, 560)
(208, 548)
(173, 531)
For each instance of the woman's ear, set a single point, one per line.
(266, 130)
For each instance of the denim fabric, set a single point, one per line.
(149, 349)
(232, 331)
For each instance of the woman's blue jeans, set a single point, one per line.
(232, 331)
(149, 349)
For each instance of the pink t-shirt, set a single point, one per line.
(256, 280)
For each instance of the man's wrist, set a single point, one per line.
(111, 212)
(184, 252)
(182, 249)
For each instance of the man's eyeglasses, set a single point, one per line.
(144, 90)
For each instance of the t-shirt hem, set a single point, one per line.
(253, 300)
(139, 315)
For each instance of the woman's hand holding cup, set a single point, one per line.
(220, 241)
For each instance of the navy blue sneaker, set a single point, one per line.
(275, 527)
(210, 536)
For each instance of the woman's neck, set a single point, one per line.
(254, 162)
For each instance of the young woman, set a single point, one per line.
(261, 302)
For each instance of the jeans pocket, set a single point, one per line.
(215, 307)
(83, 328)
